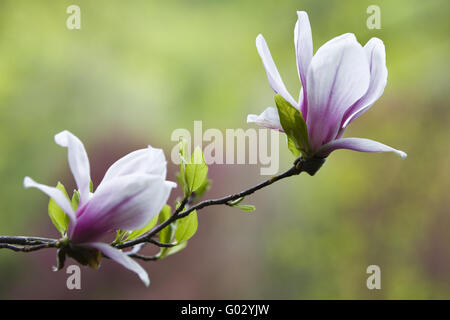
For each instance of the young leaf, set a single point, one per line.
(196, 171)
(172, 250)
(166, 234)
(183, 153)
(120, 236)
(186, 227)
(294, 126)
(136, 233)
(75, 200)
(245, 207)
(198, 194)
(59, 218)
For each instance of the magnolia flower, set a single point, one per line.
(132, 192)
(339, 83)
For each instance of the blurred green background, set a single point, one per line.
(137, 70)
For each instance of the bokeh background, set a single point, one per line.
(137, 70)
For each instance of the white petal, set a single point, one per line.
(273, 75)
(268, 119)
(53, 193)
(357, 144)
(303, 46)
(337, 77)
(144, 161)
(121, 258)
(376, 54)
(126, 202)
(78, 162)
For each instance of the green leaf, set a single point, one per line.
(75, 200)
(202, 190)
(172, 250)
(166, 234)
(196, 171)
(294, 126)
(186, 227)
(235, 202)
(57, 215)
(136, 233)
(245, 207)
(120, 236)
(183, 153)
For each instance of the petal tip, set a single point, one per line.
(27, 182)
(251, 118)
(61, 138)
(402, 154)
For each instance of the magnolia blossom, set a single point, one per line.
(339, 83)
(132, 192)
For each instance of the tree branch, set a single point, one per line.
(29, 244)
(300, 165)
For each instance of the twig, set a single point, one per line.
(27, 248)
(300, 165)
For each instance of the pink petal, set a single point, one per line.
(268, 119)
(53, 193)
(376, 55)
(121, 258)
(273, 75)
(78, 162)
(304, 52)
(337, 77)
(126, 202)
(356, 144)
(144, 161)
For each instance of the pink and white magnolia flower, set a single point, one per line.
(339, 83)
(132, 192)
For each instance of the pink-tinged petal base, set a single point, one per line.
(356, 144)
(126, 202)
(121, 258)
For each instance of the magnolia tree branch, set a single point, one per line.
(29, 244)
(310, 166)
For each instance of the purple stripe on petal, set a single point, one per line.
(126, 202)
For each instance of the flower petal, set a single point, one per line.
(78, 162)
(273, 75)
(304, 51)
(127, 202)
(53, 193)
(144, 161)
(268, 119)
(356, 144)
(376, 54)
(337, 77)
(121, 258)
